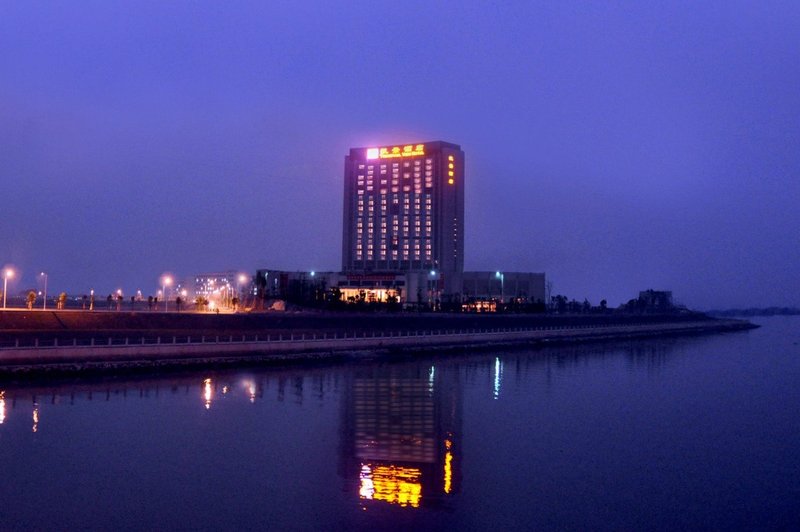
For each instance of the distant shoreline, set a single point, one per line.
(752, 312)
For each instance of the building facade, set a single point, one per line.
(404, 209)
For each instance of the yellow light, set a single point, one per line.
(391, 152)
(450, 158)
(451, 174)
(448, 471)
(393, 484)
(451, 166)
(451, 181)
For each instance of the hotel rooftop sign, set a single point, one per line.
(393, 152)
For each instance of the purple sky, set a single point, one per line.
(616, 148)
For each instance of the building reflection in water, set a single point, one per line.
(400, 430)
(2, 407)
(35, 417)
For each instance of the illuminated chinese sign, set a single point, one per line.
(409, 150)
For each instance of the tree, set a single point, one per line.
(31, 299)
(149, 302)
(178, 302)
(133, 302)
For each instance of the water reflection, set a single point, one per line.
(208, 393)
(398, 424)
(398, 432)
(498, 378)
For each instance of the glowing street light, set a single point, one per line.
(165, 282)
(502, 278)
(44, 305)
(7, 274)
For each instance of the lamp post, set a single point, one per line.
(44, 304)
(240, 294)
(165, 283)
(502, 277)
(431, 291)
(6, 275)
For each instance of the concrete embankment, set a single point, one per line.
(130, 349)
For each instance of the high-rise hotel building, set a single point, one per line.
(404, 209)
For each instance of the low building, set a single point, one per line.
(503, 286)
(432, 288)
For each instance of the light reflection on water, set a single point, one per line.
(458, 441)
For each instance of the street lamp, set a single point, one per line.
(242, 279)
(502, 277)
(8, 273)
(44, 305)
(432, 289)
(165, 282)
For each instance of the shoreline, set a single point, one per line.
(126, 350)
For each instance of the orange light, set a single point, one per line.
(450, 158)
(451, 166)
(451, 181)
(448, 472)
(451, 174)
(393, 484)
(391, 152)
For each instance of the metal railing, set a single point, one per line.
(149, 340)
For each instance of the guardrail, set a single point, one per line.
(194, 340)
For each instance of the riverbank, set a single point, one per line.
(74, 340)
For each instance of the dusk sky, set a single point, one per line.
(616, 147)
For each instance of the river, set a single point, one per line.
(676, 433)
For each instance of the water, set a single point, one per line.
(698, 432)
